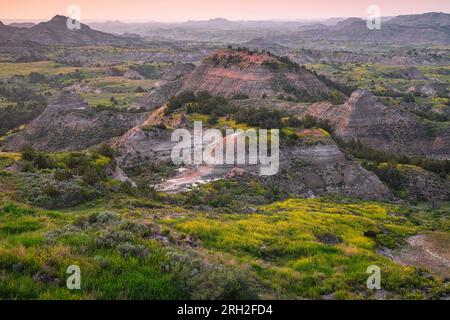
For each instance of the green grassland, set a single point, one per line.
(118, 84)
(118, 91)
(124, 99)
(393, 88)
(146, 245)
(310, 248)
(101, 55)
(8, 70)
(375, 76)
(98, 85)
(442, 73)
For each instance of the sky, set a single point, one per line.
(182, 10)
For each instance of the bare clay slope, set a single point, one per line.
(165, 88)
(312, 168)
(68, 123)
(229, 72)
(382, 127)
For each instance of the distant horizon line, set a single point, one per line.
(37, 20)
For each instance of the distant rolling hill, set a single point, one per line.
(428, 28)
(55, 31)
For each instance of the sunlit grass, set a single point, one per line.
(8, 70)
(283, 244)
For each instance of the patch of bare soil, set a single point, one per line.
(7, 187)
(429, 250)
(185, 178)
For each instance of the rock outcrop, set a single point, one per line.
(170, 84)
(147, 142)
(424, 185)
(382, 127)
(313, 167)
(321, 168)
(158, 96)
(68, 123)
(229, 72)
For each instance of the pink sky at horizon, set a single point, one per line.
(182, 10)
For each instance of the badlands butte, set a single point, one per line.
(86, 175)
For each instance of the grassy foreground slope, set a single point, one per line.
(313, 247)
(130, 248)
